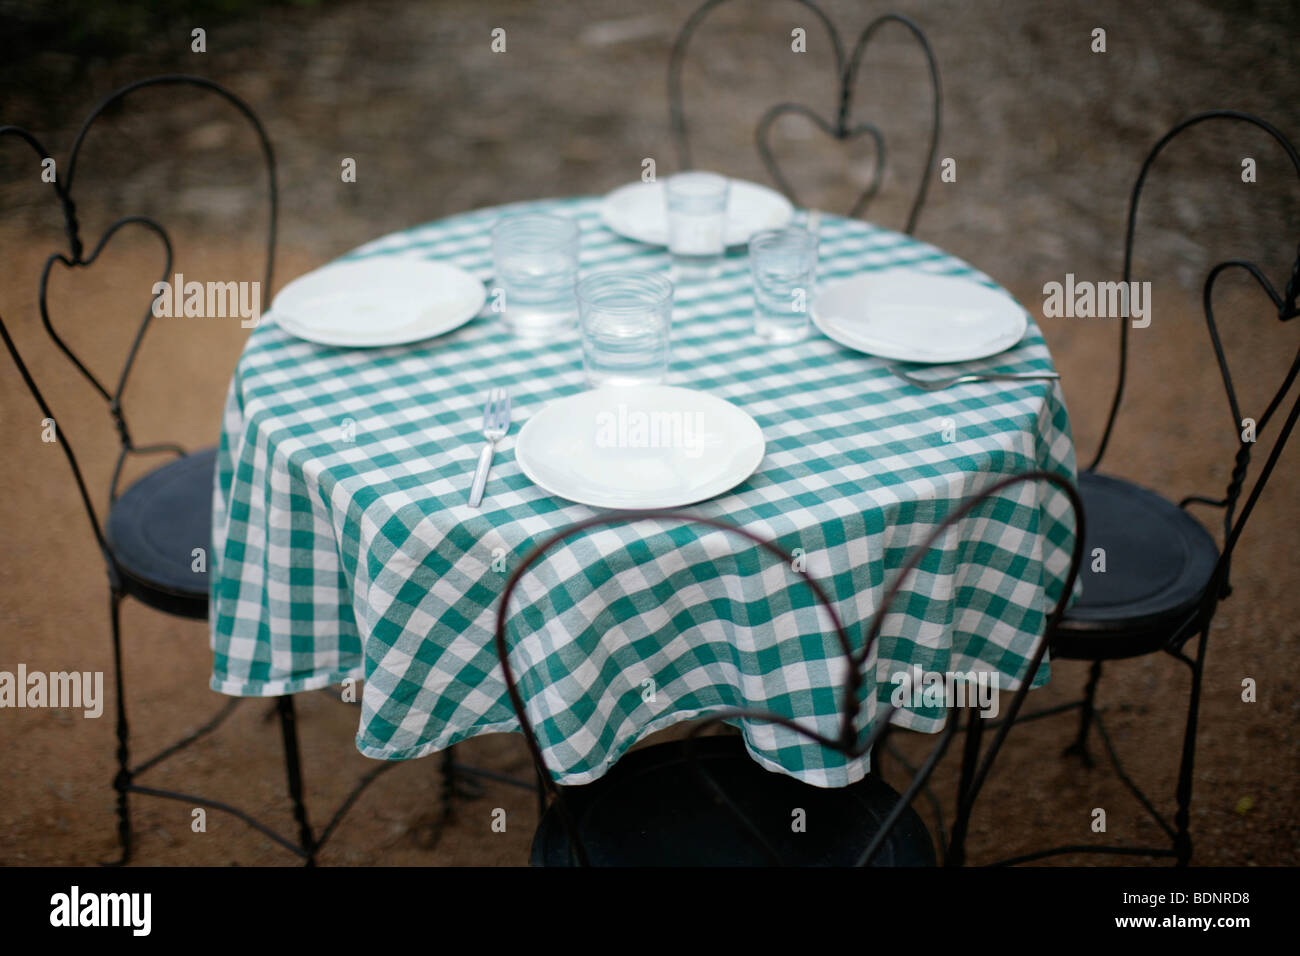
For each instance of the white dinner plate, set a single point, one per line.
(911, 316)
(379, 301)
(653, 446)
(636, 211)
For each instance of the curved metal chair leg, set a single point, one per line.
(1182, 819)
(1087, 709)
(456, 781)
(293, 767)
(123, 778)
(448, 773)
(956, 855)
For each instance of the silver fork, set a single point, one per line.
(496, 422)
(938, 384)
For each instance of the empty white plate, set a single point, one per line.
(653, 446)
(636, 211)
(379, 301)
(911, 316)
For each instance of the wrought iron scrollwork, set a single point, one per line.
(848, 739)
(124, 782)
(841, 128)
(75, 258)
(1284, 302)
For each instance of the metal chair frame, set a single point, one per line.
(309, 841)
(1197, 624)
(841, 129)
(974, 769)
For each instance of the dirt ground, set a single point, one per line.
(1047, 138)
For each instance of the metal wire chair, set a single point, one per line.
(190, 602)
(842, 128)
(1098, 633)
(848, 740)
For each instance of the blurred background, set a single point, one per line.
(1047, 136)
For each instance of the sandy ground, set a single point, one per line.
(1047, 137)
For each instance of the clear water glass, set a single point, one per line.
(535, 257)
(784, 266)
(697, 222)
(625, 318)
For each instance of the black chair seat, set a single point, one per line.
(1159, 560)
(653, 809)
(154, 527)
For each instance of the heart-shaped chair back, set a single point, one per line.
(1285, 303)
(847, 740)
(840, 128)
(75, 258)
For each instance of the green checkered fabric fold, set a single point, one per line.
(344, 546)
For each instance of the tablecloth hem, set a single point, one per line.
(278, 688)
(844, 776)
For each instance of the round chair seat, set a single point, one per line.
(154, 527)
(1158, 563)
(652, 808)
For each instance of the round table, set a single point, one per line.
(344, 546)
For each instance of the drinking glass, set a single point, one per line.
(535, 257)
(625, 319)
(784, 265)
(697, 222)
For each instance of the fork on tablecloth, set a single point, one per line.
(939, 384)
(496, 422)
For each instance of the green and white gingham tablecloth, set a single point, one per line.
(343, 545)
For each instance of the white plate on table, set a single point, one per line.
(637, 211)
(911, 316)
(653, 446)
(379, 301)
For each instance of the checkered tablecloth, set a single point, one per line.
(344, 548)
